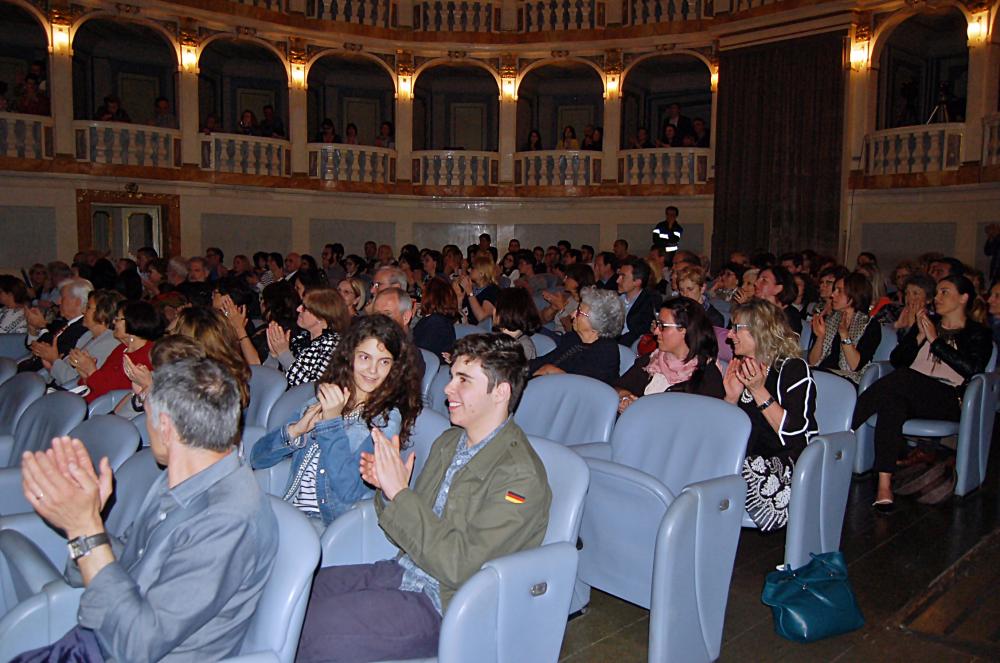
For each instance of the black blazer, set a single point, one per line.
(974, 345)
(639, 317)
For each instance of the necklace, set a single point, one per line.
(746, 396)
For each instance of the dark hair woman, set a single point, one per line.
(933, 363)
(15, 300)
(370, 383)
(684, 359)
(517, 316)
(436, 329)
(136, 326)
(845, 341)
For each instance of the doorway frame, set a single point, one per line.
(170, 215)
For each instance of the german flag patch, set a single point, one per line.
(513, 497)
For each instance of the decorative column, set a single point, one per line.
(508, 15)
(714, 82)
(60, 83)
(981, 98)
(508, 117)
(187, 101)
(612, 114)
(298, 121)
(860, 90)
(404, 115)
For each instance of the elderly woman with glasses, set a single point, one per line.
(769, 380)
(590, 349)
(323, 318)
(684, 359)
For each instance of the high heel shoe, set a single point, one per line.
(884, 506)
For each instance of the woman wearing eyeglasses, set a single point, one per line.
(769, 380)
(323, 318)
(684, 359)
(590, 349)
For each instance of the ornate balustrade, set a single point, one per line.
(334, 162)
(456, 16)
(991, 140)
(747, 5)
(641, 12)
(918, 149)
(542, 15)
(377, 13)
(455, 168)
(127, 144)
(25, 136)
(664, 165)
(557, 168)
(246, 155)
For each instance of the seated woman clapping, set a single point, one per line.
(370, 383)
(845, 341)
(934, 361)
(684, 359)
(769, 381)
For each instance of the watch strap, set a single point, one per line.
(82, 545)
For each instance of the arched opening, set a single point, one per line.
(23, 70)
(121, 73)
(564, 97)
(456, 106)
(356, 95)
(924, 71)
(243, 89)
(662, 91)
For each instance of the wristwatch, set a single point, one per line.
(82, 545)
(846, 341)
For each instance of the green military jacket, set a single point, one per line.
(498, 504)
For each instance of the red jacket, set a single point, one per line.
(111, 374)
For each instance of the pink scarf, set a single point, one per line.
(674, 370)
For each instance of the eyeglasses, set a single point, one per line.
(740, 326)
(580, 312)
(658, 324)
(120, 318)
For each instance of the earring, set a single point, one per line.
(131, 339)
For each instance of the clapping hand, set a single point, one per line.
(235, 315)
(819, 327)
(751, 373)
(731, 382)
(308, 421)
(140, 375)
(332, 399)
(63, 487)
(384, 469)
(927, 328)
(278, 340)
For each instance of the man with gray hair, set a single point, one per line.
(388, 277)
(184, 580)
(52, 341)
(395, 303)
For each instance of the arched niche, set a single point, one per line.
(456, 106)
(127, 60)
(348, 88)
(923, 70)
(651, 86)
(238, 75)
(555, 95)
(23, 51)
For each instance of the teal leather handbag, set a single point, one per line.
(814, 601)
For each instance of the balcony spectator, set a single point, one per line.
(641, 140)
(162, 117)
(351, 134)
(112, 111)
(248, 124)
(4, 106)
(670, 137)
(681, 123)
(36, 69)
(386, 136)
(211, 124)
(32, 101)
(568, 141)
(534, 142)
(702, 136)
(271, 126)
(327, 132)
(595, 141)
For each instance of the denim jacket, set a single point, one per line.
(339, 444)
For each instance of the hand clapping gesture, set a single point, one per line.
(819, 327)
(927, 328)
(278, 340)
(62, 486)
(308, 421)
(332, 399)
(384, 469)
(731, 381)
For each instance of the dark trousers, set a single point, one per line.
(79, 645)
(358, 613)
(901, 395)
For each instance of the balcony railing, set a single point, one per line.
(377, 13)
(542, 15)
(747, 5)
(455, 16)
(991, 140)
(455, 168)
(641, 12)
(334, 162)
(25, 136)
(272, 5)
(246, 155)
(127, 144)
(918, 149)
(664, 165)
(557, 168)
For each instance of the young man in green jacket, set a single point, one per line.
(483, 493)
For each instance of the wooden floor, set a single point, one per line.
(928, 593)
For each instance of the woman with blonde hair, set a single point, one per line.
(352, 290)
(769, 380)
(691, 283)
(477, 292)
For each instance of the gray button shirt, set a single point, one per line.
(189, 571)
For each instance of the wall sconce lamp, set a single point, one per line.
(611, 86)
(60, 38)
(859, 55)
(405, 86)
(714, 78)
(509, 89)
(299, 75)
(189, 58)
(978, 29)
